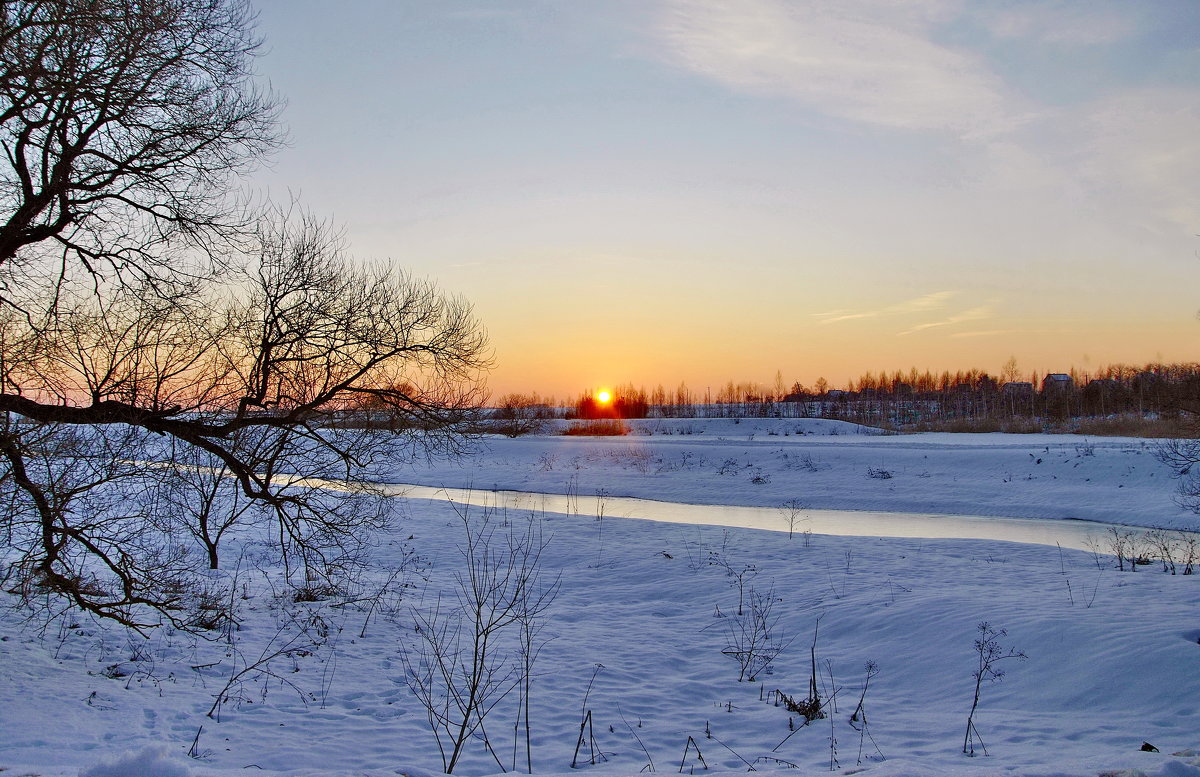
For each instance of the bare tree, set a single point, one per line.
(1166, 546)
(464, 662)
(124, 125)
(203, 500)
(254, 377)
(153, 326)
(518, 414)
(1182, 455)
(79, 523)
(793, 514)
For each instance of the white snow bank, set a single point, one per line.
(150, 762)
(1112, 655)
(1111, 480)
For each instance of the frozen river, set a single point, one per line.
(1081, 535)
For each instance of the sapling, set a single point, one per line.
(751, 637)
(1191, 551)
(460, 665)
(530, 649)
(793, 514)
(989, 652)
(739, 575)
(1137, 551)
(860, 713)
(601, 499)
(1119, 545)
(573, 494)
(1092, 543)
(1166, 546)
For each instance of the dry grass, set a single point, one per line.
(976, 426)
(601, 428)
(1134, 426)
(1124, 425)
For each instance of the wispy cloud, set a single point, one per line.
(927, 302)
(931, 301)
(889, 65)
(1147, 141)
(865, 60)
(833, 318)
(1075, 24)
(1133, 153)
(974, 314)
(984, 333)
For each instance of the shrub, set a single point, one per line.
(597, 428)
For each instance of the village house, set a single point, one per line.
(1056, 381)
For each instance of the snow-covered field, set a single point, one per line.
(827, 464)
(639, 634)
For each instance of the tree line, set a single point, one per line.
(901, 398)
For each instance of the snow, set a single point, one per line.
(150, 762)
(826, 465)
(642, 616)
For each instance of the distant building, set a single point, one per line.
(1018, 388)
(1056, 381)
(1145, 380)
(1101, 395)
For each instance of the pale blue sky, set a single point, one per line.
(703, 190)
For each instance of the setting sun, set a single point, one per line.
(603, 396)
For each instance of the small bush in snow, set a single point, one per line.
(989, 653)
(752, 638)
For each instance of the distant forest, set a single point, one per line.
(971, 400)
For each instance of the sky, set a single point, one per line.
(666, 191)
